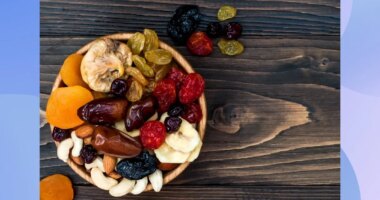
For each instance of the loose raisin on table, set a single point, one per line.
(184, 22)
(137, 167)
(214, 29)
(230, 47)
(226, 12)
(233, 30)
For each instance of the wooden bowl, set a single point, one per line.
(181, 61)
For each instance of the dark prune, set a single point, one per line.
(192, 113)
(183, 23)
(214, 29)
(60, 134)
(88, 153)
(119, 87)
(175, 110)
(233, 30)
(172, 124)
(138, 112)
(138, 167)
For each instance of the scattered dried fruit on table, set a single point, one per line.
(226, 12)
(214, 29)
(172, 124)
(138, 112)
(151, 40)
(184, 22)
(104, 62)
(136, 43)
(60, 134)
(138, 167)
(135, 91)
(70, 71)
(56, 187)
(192, 88)
(119, 87)
(192, 113)
(230, 47)
(88, 153)
(165, 92)
(159, 56)
(199, 44)
(152, 134)
(233, 30)
(62, 106)
(144, 68)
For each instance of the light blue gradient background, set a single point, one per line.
(19, 86)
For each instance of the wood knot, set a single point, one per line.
(227, 118)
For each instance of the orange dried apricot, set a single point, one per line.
(62, 106)
(56, 187)
(70, 71)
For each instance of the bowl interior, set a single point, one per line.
(181, 61)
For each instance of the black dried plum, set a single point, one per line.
(172, 124)
(60, 134)
(184, 22)
(138, 167)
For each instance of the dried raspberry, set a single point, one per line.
(176, 75)
(152, 134)
(192, 113)
(165, 92)
(199, 44)
(192, 88)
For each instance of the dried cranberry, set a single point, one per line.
(88, 153)
(152, 134)
(192, 88)
(119, 87)
(199, 44)
(192, 113)
(175, 110)
(233, 30)
(214, 29)
(172, 123)
(165, 93)
(176, 75)
(60, 134)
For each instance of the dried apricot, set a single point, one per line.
(56, 187)
(62, 106)
(70, 71)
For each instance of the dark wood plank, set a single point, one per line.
(273, 112)
(222, 192)
(101, 17)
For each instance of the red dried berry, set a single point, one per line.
(176, 75)
(199, 44)
(192, 88)
(192, 113)
(165, 93)
(152, 134)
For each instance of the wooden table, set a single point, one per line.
(273, 126)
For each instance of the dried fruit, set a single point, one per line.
(226, 12)
(165, 93)
(151, 40)
(88, 153)
(60, 134)
(192, 88)
(139, 112)
(175, 110)
(233, 30)
(162, 72)
(137, 167)
(172, 124)
(192, 113)
(199, 44)
(62, 106)
(152, 134)
(119, 87)
(136, 43)
(184, 22)
(140, 63)
(159, 56)
(56, 187)
(167, 166)
(135, 92)
(230, 47)
(104, 111)
(70, 71)
(214, 29)
(137, 75)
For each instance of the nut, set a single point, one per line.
(140, 186)
(97, 163)
(109, 163)
(78, 160)
(78, 144)
(84, 131)
(156, 180)
(87, 140)
(123, 188)
(63, 149)
(100, 180)
(114, 175)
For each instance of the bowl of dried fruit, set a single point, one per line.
(127, 113)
